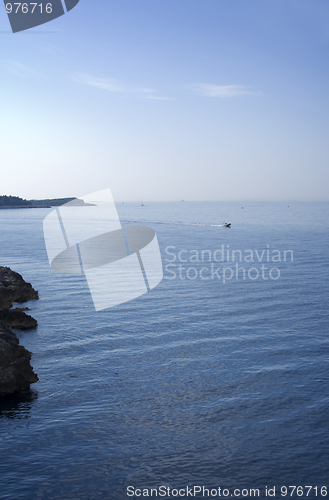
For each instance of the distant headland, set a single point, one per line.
(17, 202)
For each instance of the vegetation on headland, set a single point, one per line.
(13, 201)
(53, 202)
(17, 202)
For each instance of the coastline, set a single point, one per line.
(16, 372)
(24, 206)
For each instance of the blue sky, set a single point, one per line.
(169, 100)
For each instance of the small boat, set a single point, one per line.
(226, 224)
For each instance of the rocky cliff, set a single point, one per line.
(16, 372)
(14, 289)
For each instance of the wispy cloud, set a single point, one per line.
(159, 98)
(116, 86)
(209, 90)
(20, 70)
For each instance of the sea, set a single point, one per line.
(213, 384)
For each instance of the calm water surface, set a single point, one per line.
(195, 383)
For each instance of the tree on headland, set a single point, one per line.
(53, 202)
(13, 201)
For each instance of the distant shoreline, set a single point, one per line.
(48, 203)
(6, 207)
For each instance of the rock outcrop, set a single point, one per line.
(16, 372)
(14, 289)
(16, 318)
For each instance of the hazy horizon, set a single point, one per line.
(144, 201)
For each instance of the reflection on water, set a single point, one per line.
(17, 405)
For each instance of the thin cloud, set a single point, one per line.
(159, 98)
(116, 86)
(209, 90)
(20, 70)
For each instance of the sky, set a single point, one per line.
(164, 100)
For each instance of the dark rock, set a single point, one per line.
(16, 372)
(14, 289)
(16, 318)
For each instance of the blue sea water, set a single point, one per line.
(196, 383)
